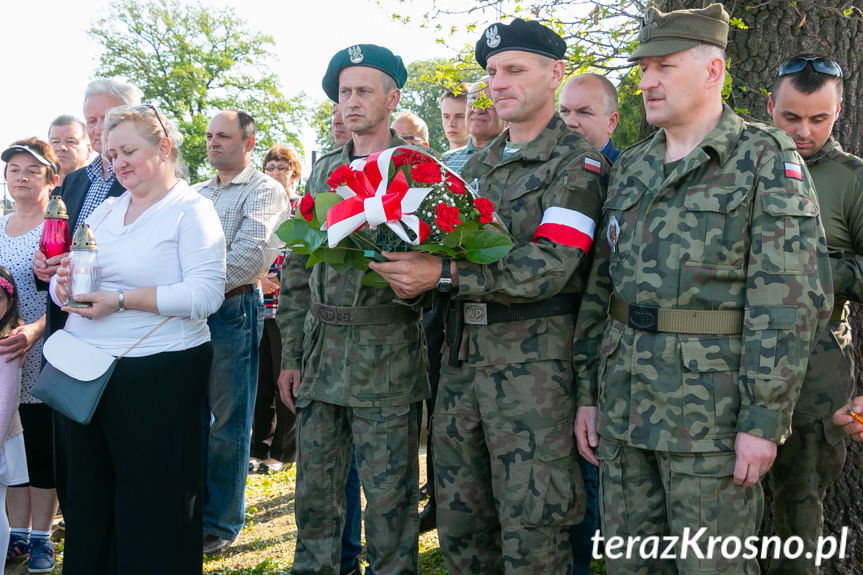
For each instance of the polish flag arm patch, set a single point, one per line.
(566, 227)
(793, 171)
(592, 165)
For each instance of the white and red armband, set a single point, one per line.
(566, 227)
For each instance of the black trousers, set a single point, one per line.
(133, 475)
(274, 427)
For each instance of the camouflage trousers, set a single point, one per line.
(386, 443)
(654, 494)
(812, 458)
(507, 476)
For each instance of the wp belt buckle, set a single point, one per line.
(475, 313)
(333, 315)
(644, 317)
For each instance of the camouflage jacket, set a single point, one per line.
(838, 178)
(734, 226)
(356, 365)
(558, 169)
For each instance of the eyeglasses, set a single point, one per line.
(819, 64)
(156, 112)
(410, 138)
(274, 167)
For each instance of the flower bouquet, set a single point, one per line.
(398, 199)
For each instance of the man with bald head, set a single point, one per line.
(588, 105)
(251, 206)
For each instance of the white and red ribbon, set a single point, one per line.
(566, 227)
(368, 199)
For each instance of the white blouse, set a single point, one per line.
(177, 245)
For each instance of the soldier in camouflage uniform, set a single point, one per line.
(508, 483)
(362, 366)
(706, 295)
(804, 102)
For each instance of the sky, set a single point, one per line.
(49, 58)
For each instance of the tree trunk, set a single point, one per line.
(776, 30)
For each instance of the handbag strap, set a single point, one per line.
(146, 335)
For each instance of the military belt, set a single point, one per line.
(692, 321)
(486, 313)
(839, 313)
(365, 315)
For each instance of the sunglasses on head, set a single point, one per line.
(819, 64)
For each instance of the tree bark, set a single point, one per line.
(776, 30)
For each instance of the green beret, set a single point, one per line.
(664, 33)
(368, 55)
(520, 35)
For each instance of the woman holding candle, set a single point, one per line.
(32, 172)
(161, 256)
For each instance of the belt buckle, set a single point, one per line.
(644, 317)
(475, 313)
(327, 313)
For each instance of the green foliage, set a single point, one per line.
(192, 61)
(631, 124)
(321, 120)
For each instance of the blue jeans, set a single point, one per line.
(580, 534)
(351, 544)
(231, 398)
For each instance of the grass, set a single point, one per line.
(266, 543)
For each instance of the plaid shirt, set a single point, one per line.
(99, 188)
(251, 207)
(456, 159)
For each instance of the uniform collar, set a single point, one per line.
(720, 143)
(348, 148)
(537, 150)
(831, 145)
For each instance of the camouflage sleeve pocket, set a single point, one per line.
(789, 243)
(771, 342)
(555, 491)
(710, 395)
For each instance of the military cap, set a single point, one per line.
(368, 55)
(520, 35)
(664, 33)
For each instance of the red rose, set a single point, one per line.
(485, 209)
(446, 217)
(408, 158)
(339, 176)
(307, 207)
(426, 173)
(454, 184)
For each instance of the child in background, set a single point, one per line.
(13, 461)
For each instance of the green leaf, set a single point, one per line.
(375, 280)
(738, 23)
(297, 232)
(330, 255)
(323, 202)
(456, 237)
(485, 247)
(440, 251)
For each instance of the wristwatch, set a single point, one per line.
(444, 284)
(121, 300)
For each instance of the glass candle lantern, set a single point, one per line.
(55, 238)
(84, 264)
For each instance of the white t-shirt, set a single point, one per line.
(177, 245)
